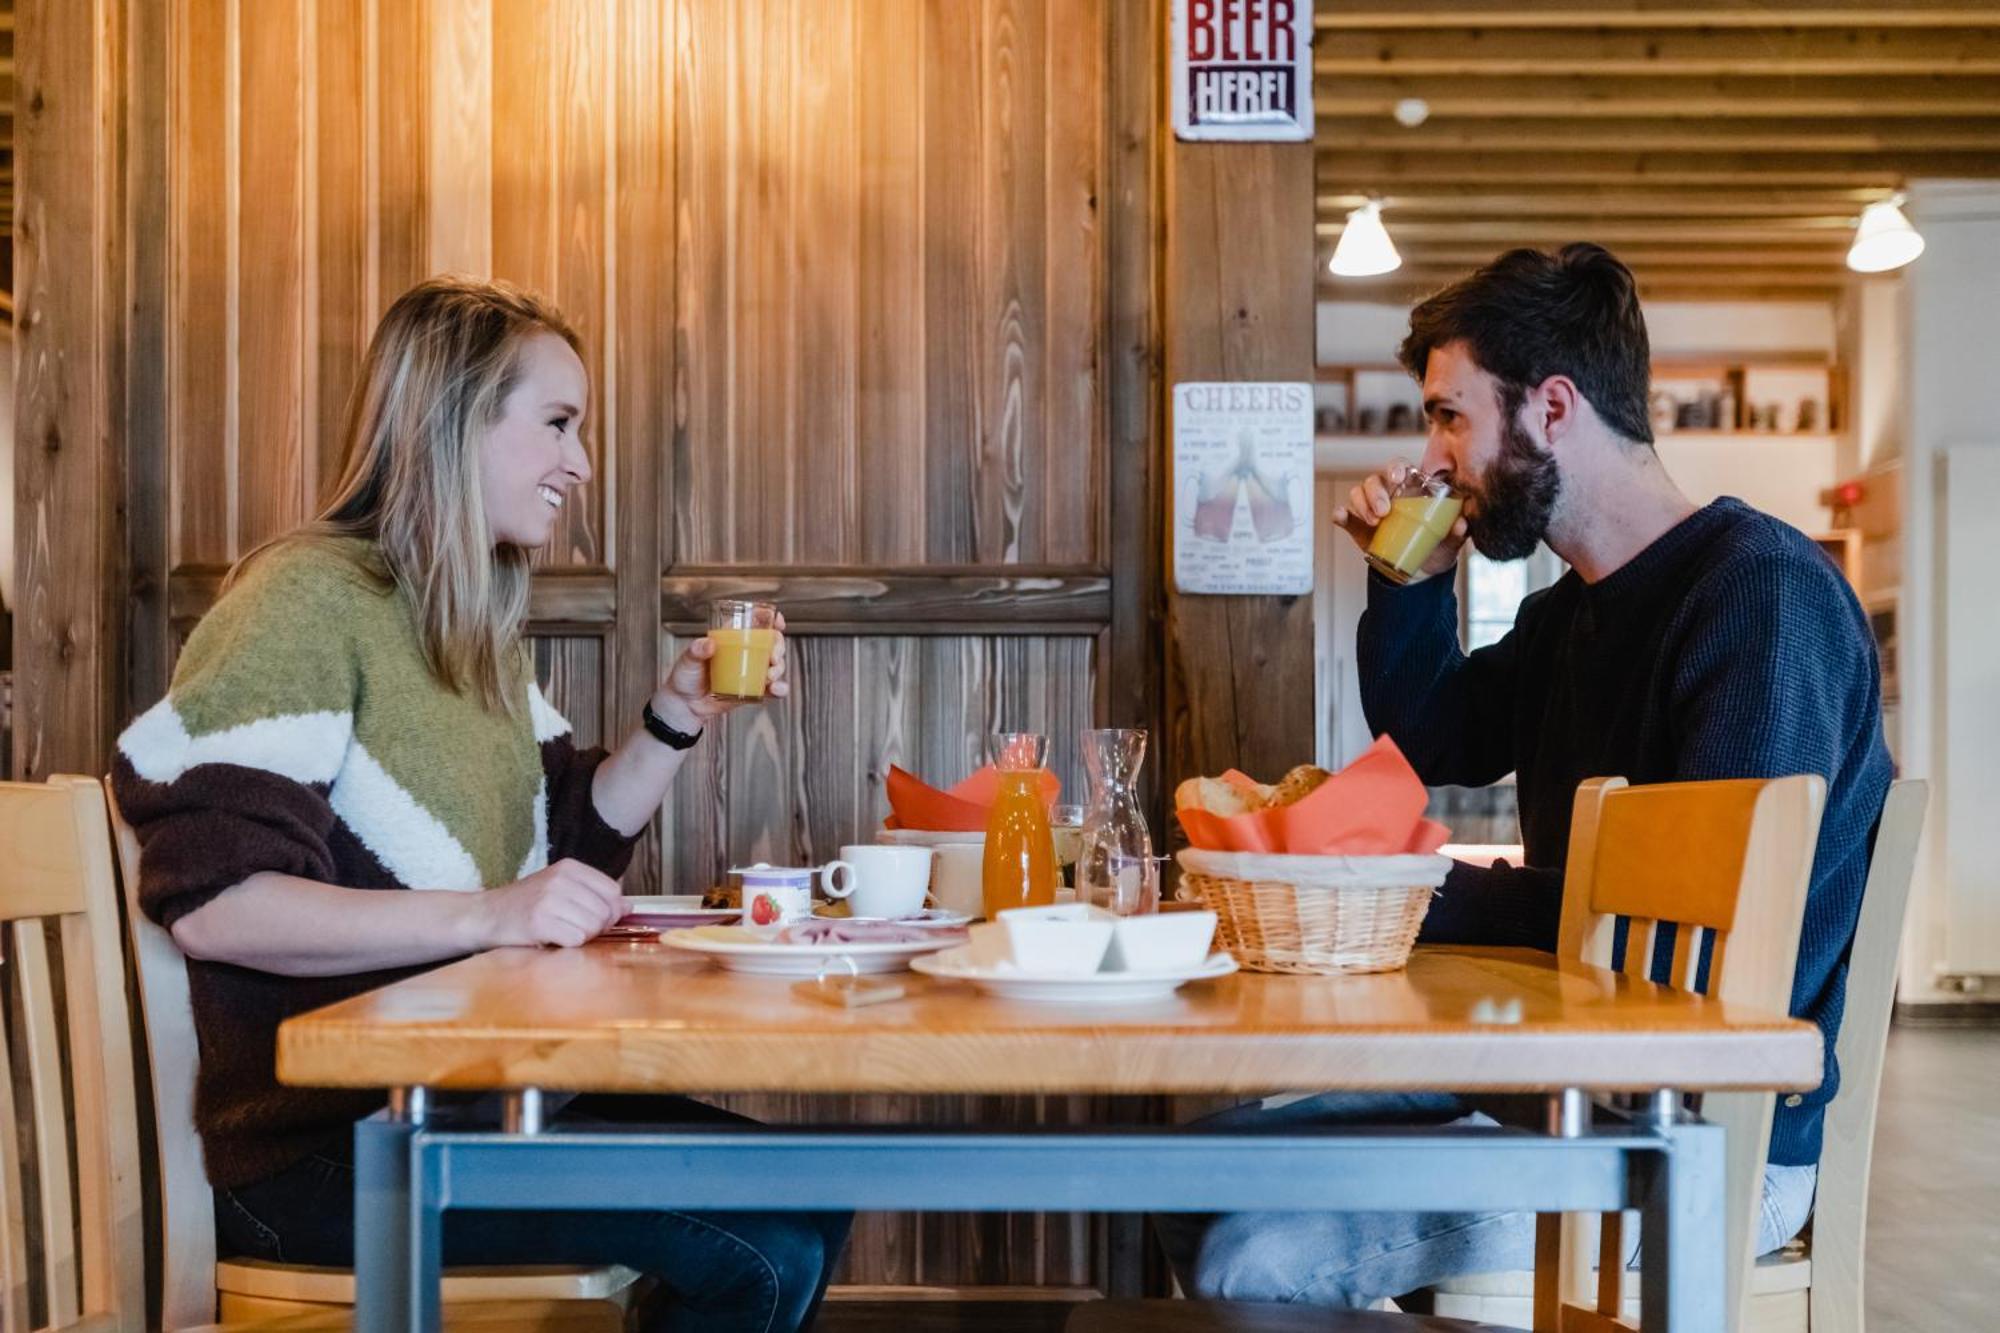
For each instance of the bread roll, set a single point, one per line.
(1298, 784)
(1215, 796)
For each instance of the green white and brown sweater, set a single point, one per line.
(304, 735)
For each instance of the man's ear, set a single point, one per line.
(1558, 408)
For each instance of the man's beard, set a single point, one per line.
(1516, 497)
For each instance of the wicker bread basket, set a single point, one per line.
(1314, 914)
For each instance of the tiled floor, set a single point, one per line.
(1934, 1197)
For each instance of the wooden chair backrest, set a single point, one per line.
(187, 1205)
(1840, 1210)
(68, 1051)
(1725, 865)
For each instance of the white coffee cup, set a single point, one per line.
(880, 881)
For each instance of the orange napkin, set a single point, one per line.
(1373, 807)
(915, 804)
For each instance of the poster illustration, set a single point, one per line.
(1243, 488)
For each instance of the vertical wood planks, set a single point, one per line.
(269, 355)
(341, 323)
(1070, 487)
(460, 153)
(396, 84)
(199, 300)
(955, 142)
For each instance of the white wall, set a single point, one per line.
(1949, 609)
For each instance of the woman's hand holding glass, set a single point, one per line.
(685, 699)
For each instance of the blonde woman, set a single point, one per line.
(354, 776)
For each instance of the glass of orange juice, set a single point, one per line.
(1421, 512)
(744, 633)
(1020, 865)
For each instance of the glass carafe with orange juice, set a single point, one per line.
(1020, 866)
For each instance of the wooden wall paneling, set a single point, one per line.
(1072, 483)
(201, 426)
(890, 411)
(766, 175)
(704, 298)
(641, 363)
(829, 775)
(1239, 232)
(571, 669)
(340, 322)
(461, 151)
(954, 140)
(268, 358)
(824, 277)
(146, 423)
(694, 846)
(396, 82)
(1134, 450)
(552, 201)
(1012, 268)
(69, 231)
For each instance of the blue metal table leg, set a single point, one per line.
(426, 1213)
(382, 1221)
(1682, 1277)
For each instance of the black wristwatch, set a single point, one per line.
(666, 735)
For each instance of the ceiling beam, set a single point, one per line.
(1373, 169)
(1860, 51)
(1658, 14)
(1406, 286)
(1434, 254)
(1748, 136)
(1472, 201)
(1536, 231)
(1577, 97)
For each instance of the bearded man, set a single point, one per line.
(1684, 643)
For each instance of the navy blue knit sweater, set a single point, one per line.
(1729, 648)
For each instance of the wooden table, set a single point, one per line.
(642, 1017)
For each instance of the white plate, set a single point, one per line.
(665, 904)
(739, 949)
(930, 918)
(1098, 988)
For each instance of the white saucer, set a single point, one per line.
(1096, 987)
(930, 918)
(743, 949)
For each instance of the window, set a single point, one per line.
(1492, 592)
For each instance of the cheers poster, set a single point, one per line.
(1243, 488)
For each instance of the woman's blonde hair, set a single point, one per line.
(435, 379)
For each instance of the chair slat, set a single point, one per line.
(45, 1089)
(44, 872)
(1673, 852)
(1687, 958)
(1611, 1264)
(14, 1220)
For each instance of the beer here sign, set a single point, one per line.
(1243, 69)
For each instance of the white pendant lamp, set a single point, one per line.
(1885, 239)
(1365, 249)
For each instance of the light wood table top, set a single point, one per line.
(632, 1017)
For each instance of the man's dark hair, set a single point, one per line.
(1529, 315)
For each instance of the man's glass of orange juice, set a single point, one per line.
(744, 633)
(1421, 512)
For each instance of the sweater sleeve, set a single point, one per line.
(1496, 904)
(1450, 712)
(576, 829)
(229, 774)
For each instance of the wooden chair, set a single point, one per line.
(1816, 1282)
(197, 1287)
(1246, 1317)
(1727, 864)
(57, 884)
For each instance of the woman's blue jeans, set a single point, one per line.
(721, 1272)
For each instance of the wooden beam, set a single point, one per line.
(1444, 254)
(1402, 289)
(1485, 201)
(1577, 97)
(1240, 670)
(1649, 134)
(1541, 51)
(1832, 232)
(1366, 169)
(1658, 14)
(915, 601)
(578, 596)
(1832, 275)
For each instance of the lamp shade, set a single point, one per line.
(1884, 240)
(1365, 249)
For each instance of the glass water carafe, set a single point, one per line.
(1116, 869)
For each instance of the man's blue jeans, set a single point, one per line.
(722, 1272)
(1356, 1259)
